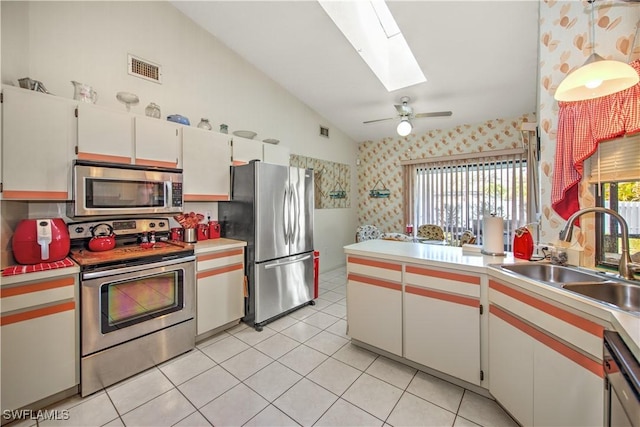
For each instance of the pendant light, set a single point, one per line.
(404, 127)
(597, 77)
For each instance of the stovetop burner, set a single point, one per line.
(130, 249)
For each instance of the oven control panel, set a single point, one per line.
(121, 227)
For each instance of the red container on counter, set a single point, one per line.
(214, 230)
(176, 234)
(202, 232)
(522, 244)
(40, 240)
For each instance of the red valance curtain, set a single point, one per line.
(581, 125)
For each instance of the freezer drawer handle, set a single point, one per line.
(280, 264)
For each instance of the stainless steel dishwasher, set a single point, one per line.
(622, 383)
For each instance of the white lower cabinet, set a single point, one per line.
(374, 303)
(39, 340)
(220, 289)
(544, 376)
(565, 393)
(511, 368)
(442, 321)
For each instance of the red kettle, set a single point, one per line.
(104, 240)
(522, 243)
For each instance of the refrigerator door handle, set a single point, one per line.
(280, 264)
(296, 214)
(292, 206)
(285, 217)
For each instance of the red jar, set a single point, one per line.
(203, 232)
(214, 230)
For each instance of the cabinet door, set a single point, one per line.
(245, 150)
(275, 154)
(566, 393)
(39, 341)
(157, 143)
(220, 289)
(206, 158)
(511, 366)
(374, 303)
(442, 321)
(38, 140)
(104, 135)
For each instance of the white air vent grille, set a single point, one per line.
(324, 131)
(145, 69)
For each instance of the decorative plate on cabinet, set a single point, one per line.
(245, 134)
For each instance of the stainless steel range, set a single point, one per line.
(137, 301)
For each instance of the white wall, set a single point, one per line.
(56, 42)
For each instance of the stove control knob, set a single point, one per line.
(152, 224)
(79, 230)
(161, 224)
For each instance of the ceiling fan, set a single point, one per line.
(405, 113)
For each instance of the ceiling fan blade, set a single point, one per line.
(434, 114)
(378, 120)
(404, 109)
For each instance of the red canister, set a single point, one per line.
(176, 234)
(203, 232)
(522, 244)
(214, 230)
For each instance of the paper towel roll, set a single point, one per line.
(492, 240)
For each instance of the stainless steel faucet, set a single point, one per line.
(626, 267)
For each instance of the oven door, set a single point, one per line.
(122, 304)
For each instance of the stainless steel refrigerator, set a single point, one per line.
(271, 208)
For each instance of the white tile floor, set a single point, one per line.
(300, 370)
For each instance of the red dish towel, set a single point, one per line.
(581, 125)
(21, 269)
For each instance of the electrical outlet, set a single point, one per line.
(207, 214)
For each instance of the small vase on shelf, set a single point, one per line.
(204, 124)
(152, 110)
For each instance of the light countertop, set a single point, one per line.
(221, 244)
(625, 323)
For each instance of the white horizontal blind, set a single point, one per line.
(616, 160)
(457, 194)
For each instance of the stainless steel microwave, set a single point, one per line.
(115, 189)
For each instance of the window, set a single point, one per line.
(624, 198)
(615, 172)
(455, 193)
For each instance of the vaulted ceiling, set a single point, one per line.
(479, 57)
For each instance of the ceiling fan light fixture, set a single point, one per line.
(597, 77)
(404, 127)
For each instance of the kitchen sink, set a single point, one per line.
(625, 296)
(553, 274)
(601, 287)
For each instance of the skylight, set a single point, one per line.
(374, 34)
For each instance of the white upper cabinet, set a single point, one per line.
(206, 159)
(245, 150)
(157, 142)
(275, 154)
(104, 135)
(38, 141)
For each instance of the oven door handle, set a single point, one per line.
(138, 267)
